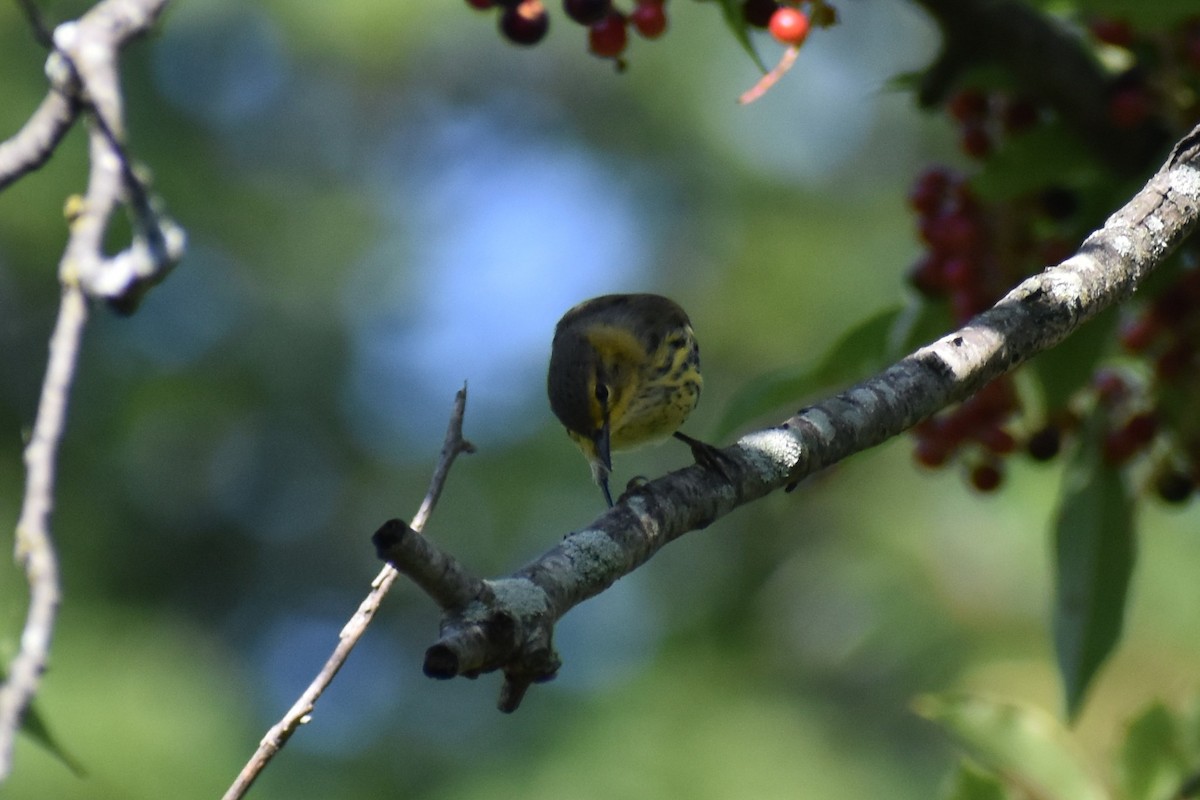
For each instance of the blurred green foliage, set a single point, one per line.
(234, 444)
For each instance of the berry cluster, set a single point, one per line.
(1165, 334)
(976, 428)
(526, 22)
(1164, 77)
(977, 247)
(976, 250)
(987, 118)
(608, 28)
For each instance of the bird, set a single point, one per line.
(625, 371)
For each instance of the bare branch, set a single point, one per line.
(508, 624)
(158, 242)
(33, 145)
(34, 546)
(302, 709)
(82, 71)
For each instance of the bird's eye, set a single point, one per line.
(602, 393)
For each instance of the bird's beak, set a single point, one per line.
(603, 447)
(604, 454)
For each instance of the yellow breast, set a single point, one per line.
(666, 389)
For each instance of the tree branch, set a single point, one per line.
(34, 546)
(83, 74)
(32, 146)
(508, 623)
(302, 709)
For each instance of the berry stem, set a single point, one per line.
(771, 78)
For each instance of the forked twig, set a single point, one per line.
(302, 709)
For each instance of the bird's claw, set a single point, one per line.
(708, 456)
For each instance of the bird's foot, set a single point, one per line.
(635, 485)
(708, 456)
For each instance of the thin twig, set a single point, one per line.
(302, 709)
(34, 546)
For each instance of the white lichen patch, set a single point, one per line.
(1185, 180)
(593, 552)
(1123, 245)
(773, 452)
(521, 596)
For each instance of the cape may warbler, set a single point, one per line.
(624, 371)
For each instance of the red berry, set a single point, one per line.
(959, 272)
(789, 26)
(975, 140)
(1044, 444)
(1173, 486)
(482, 5)
(1129, 107)
(1141, 427)
(956, 233)
(929, 190)
(996, 399)
(986, 477)
(607, 38)
(1175, 361)
(969, 105)
(931, 453)
(585, 12)
(927, 276)
(997, 440)
(758, 13)
(1118, 447)
(1112, 31)
(1139, 334)
(1111, 387)
(957, 425)
(649, 19)
(1020, 115)
(525, 23)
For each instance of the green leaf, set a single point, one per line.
(918, 324)
(1094, 557)
(735, 20)
(1062, 370)
(35, 727)
(1026, 746)
(1153, 762)
(860, 350)
(1160, 14)
(973, 782)
(1046, 155)
(905, 82)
